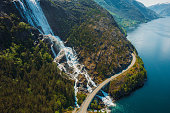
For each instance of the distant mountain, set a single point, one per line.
(161, 9)
(128, 12)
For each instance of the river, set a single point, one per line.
(152, 41)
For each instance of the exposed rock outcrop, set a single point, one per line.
(92, 32)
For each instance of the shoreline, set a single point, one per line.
(86, 103)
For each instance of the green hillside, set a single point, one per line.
(128, 13)
(93, 33)
(29, 80)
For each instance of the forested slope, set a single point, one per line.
(128, 13)
(29, 80)
(92, 32)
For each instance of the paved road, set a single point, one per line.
(86, 103)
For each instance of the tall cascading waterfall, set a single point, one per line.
(31, 11)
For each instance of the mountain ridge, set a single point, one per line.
(162, 9)
(128, 13)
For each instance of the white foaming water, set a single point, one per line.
(106, 99)
(31, 11)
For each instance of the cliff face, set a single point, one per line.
(128, 13)
(92, 32)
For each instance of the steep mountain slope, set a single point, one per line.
(128, 12)
(161, 9)
(97, 39)
(94, 34)
(29, 80)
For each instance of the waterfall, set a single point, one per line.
(31, 11)
(106, 99)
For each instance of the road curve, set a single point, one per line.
(86, 103)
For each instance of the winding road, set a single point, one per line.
(89, 98)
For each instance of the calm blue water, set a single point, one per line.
(152, 41)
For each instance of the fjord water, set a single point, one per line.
(152, 41)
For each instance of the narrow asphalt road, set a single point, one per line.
(86, 103)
